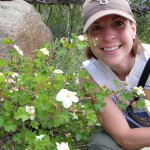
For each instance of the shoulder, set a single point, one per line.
(94, 64)
(146, 46)
(146, 50)
(88, 62)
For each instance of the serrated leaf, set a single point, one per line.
(17, 138)
(21, 114)
(34, 124)
(62, 117)
(10, 126)
(78, 136)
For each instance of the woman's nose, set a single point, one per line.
(108, 34)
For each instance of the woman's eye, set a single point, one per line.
(96, 28)
(119, 24)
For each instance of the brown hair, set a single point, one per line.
(136, 45)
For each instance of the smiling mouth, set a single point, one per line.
(111, 48)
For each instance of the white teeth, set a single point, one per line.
(111, 49)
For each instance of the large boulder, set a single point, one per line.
(20, 22)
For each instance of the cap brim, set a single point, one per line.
(105, 13)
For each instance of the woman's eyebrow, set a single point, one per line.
(116, 17)
(113, 18)
(96, 22)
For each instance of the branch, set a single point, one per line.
(56, 2)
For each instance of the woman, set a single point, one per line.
(115, 53)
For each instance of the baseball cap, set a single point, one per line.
(95, 9)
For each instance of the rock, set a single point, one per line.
(20, 22)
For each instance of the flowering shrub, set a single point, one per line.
(42, 104)
(41, 101)
(143, 99)
(136, 97)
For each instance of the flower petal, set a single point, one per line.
(75, 99)
(67, 103)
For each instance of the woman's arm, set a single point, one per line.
(115, 124)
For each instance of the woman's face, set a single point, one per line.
(111, 39)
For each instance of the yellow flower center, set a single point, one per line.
(68, 95)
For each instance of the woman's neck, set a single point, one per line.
(123, 69)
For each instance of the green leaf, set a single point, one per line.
(2, 62)
(81, 45)
(116, 82)
(91, 117)
(22, 97)
(78, 136)
(44, 143)
(34, 124)
(60, 77)
(8, 105)
(2, 78)
(30, 137)
(47, 45)
(10, 126)
(89, 86)
(140, 104)
(125, 96)
(1, 121)
(62, 117)
(21, 114)
(40, 78)
(83, 74)
(18, 138)
(6, 41)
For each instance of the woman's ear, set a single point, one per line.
(133, 29)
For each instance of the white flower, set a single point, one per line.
(62, 146)
(15, 75)
(81, 38)
(40, 137)
(67, 97)
(74, 115)
(98, 124)
(58, 71)
(147, 104)
(32, 116)
(63, 39)
(77, 81)
(36, 74)
(139, 91)
(30, 109)
(18, 50)
(10, 80)
(44, 51)
(71, 41)
(2, 99)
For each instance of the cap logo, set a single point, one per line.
(101, 1)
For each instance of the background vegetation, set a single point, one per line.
(66, 19)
